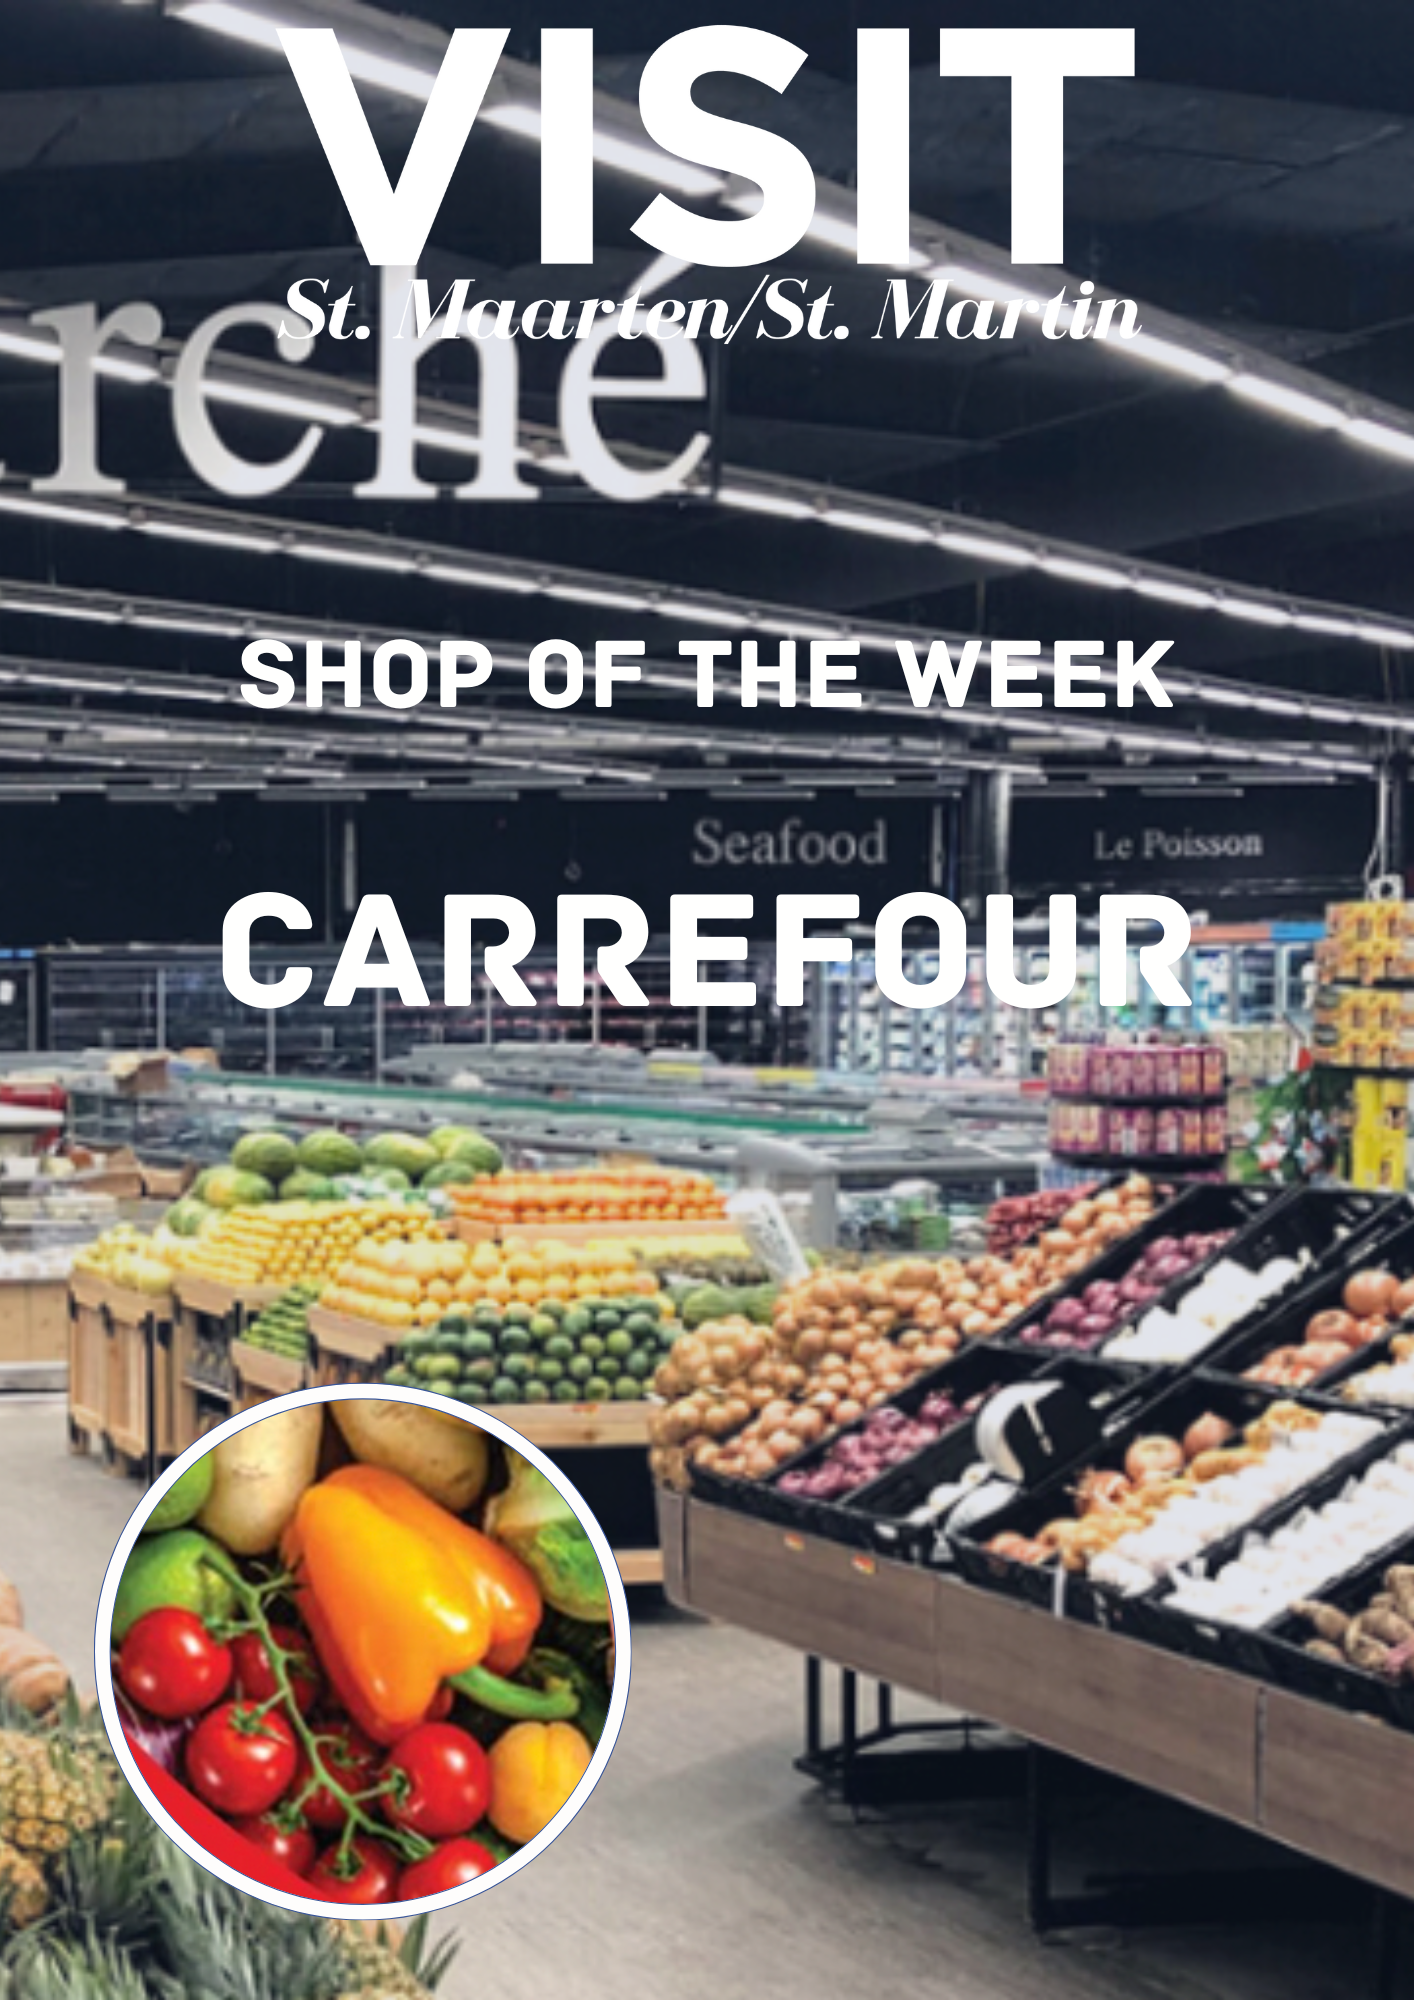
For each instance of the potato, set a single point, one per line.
(445, 1456)
(258, 1477)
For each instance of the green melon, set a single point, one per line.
(185, 1217)
(302, 1185)
(329, 1153)
(232, 1187)
(448, 1173)
(269, 1154)
(404, 1150)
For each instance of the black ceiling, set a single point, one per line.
(1256, 179)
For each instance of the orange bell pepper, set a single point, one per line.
(400, 1596)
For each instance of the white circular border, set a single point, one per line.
(306, 1905)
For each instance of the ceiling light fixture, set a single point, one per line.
(1287, 402)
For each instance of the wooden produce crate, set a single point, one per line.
(207, 1312)
(259, 1375)
(88, 1361)
(125, 1322)
(344, 1349)
(34, 1321)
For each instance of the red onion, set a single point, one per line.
(161, 1740)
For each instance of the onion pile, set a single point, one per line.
(885, 1439)
(1112, 1503)
(1391, 1383)
(743, 1399)
(1370, 1300)
(1016, 1218)
(1076, 1325)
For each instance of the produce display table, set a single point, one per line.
(259, 1375)
(1330, 1785)
(121, 1383)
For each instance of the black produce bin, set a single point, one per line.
(1279, 1653)
(1169, 1414)
(1114, 1392)
(1154, 1618)
(1284, 1324)
(1332, 1224)
(1199, 1210)
(975, 1370)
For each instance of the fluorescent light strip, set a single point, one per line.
(328, 552)
(986, 548)
(752, 501)
(701, 614)
(247, 396)
(1174, 593)
(1387, 635)
(216, 538)
(1380, 437)
(887, 526)
(54, 510)
(1072, 571)
(1168, 354)
(1252, 611)
(1286, 402)
(481, 579)
(611, 600)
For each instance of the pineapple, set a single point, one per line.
(23, 1895)
(51, 1791)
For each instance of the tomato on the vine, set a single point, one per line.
(240, 1761)
(255, 1676)
(171, 1666)
(447, 1867)
(350, 1759)
(442, 1781)
(373, 1879)
(289, 1842)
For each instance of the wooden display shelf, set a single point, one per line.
(1324, 1782)
(640, 1565)
(110, 1330)
(218, 1299)
(472, 1231)
(259, 1375)
(575, 1426)
(345, 1349)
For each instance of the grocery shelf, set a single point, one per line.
(1325, 1783)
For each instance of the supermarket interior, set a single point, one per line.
(1001, 1413)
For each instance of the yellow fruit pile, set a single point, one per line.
(294, 1240)
(530, 1272)
(126, 1257)
(397, 1283)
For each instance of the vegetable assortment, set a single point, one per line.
(741, 1399)
(376, 1644)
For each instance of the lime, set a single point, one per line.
(618, 1344)
(179, 1567)
(184, 1500)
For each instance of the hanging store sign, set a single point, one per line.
(1290, 840)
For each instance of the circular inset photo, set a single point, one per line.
(358, 1650)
